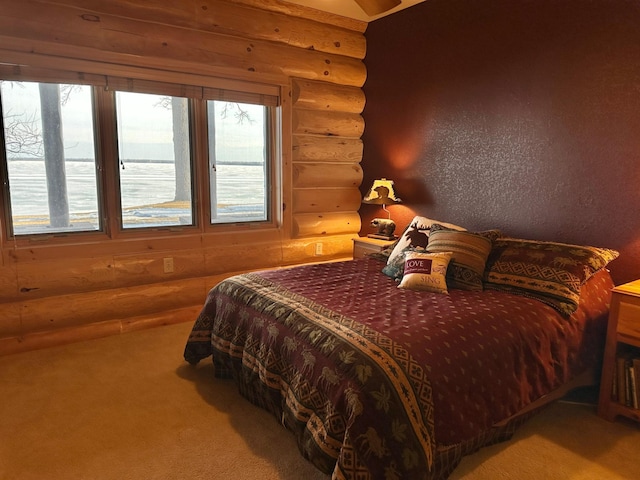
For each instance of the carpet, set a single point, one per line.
(128, 407)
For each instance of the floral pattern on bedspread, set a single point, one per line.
(473, 358)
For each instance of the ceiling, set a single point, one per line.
(349, 8)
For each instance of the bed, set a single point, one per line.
(381, 382)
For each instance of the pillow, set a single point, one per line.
(470, 251)
(417, 235)
(382, 255)
(426, 271)
(395, 266)
(548, 271)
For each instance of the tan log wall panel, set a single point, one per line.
(328, 174)
(51, 294)
(318, 224)
(229, 18)
(313, 148)
(327, 152)
(326, 200)
(335, 124)
(323, 96)
(8, 282)
(52, 28)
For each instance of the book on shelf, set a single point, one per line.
(626, 379)
(633, 392)
(636, 381)
(621, 376)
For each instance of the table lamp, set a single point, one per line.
(382, 193)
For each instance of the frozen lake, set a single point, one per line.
(148, 199)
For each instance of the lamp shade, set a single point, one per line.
(381, 193)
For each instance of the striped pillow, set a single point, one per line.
(416, 235)
(470, 252)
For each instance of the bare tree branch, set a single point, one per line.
(241, 115)
(66, 91)
(22, 135)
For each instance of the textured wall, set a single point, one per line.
(517, 114)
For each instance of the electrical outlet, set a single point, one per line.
(168, 264)
(318, 248)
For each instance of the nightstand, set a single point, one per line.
(621, 349)
(364, 245)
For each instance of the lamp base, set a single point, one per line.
(384, 229)
(381, 237)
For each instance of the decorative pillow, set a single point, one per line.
(426, 271)
(417, 235)
(548, 271)
(395, 266)
(382, 255)
(470, 251)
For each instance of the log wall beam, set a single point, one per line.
(318, 148)
(50, 338)
(318, 175)
(339, 124)
(319, 224)
(327, 150)
(313, 95)
(63, 25)
(50, 294)
(312, 200)
(229, 18)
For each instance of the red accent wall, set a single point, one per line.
(522, 115)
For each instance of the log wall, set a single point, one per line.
(54, 292)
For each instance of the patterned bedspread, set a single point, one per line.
(378, 382)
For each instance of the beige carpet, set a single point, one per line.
(128, 407)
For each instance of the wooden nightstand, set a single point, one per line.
(622, 346)
(364, 245)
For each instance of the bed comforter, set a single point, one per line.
(378, 382)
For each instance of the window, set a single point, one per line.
(155, 160)
(238, 157)
(50, 157)
(118, 155)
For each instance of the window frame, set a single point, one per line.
(106, 154)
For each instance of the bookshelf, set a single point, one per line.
(619, 386)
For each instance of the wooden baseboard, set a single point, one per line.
(52, 338)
